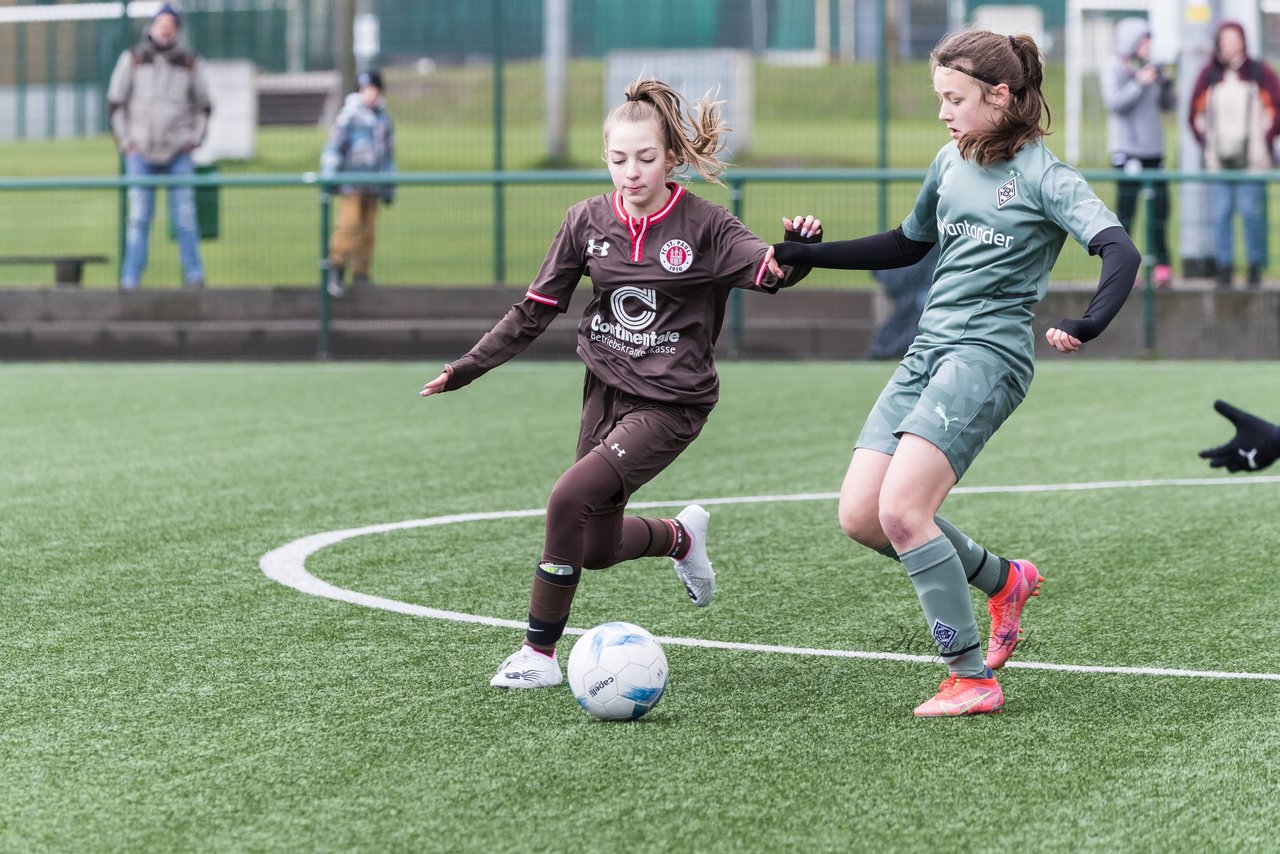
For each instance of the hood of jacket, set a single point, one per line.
(1130, 31)
(353, 102)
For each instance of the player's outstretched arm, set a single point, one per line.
(1120, 262)
(1254, 447)
(884, 251)
(808, 228)
(436, 386)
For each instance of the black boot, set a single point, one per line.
(1223, 278)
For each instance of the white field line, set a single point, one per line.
(287, 565)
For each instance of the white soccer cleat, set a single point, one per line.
(527, 668)
(695, 571)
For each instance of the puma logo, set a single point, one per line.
(942, 413)
(1250, 457)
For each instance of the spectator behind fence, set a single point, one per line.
(908, 288)
(362, 140)
(1234, 117)
(1136, 91)
(159, 105)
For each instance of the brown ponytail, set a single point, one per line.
(992, 59)
(694, 138)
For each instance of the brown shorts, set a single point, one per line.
(638, 437)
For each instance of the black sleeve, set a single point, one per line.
(1120, 263)
(883, 251)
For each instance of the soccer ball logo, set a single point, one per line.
(617, 671)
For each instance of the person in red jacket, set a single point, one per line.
(1235, 116)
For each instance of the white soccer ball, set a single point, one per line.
(617, 671)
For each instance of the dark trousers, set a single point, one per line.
(1128, 190)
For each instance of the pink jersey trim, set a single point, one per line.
(640, 227)
(542, 298)
(760, 273)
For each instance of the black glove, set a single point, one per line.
(1255, 445)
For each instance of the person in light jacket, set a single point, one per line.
(159, 106)
(1136, 91)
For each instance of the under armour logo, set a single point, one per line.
(600, 249)
(617, 449)
(942, 413)
(1250, 457)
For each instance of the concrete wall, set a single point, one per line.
(443, 323)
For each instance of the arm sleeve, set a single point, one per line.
(334, 147)
(1269, 83)
(883, 251)
(517, 329)
(1120, 91)
(740, 257)
(545, 300)
(201, 105)
(792, 273)
(1198, 102)
(118, 98)
(1120, 262)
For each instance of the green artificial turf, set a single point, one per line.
(158, 692)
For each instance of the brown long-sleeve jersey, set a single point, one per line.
(660, 284)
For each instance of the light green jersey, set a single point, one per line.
(999, 231)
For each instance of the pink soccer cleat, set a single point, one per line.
(959, 695)
(1005, 608)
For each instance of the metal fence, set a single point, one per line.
(452, 228)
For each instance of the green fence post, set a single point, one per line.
(1148, 280)
(882, 118)
(736, 206)
(122, 220)
(326, 306)
(20, 79)
(499, 202)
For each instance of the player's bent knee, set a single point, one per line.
(902, 525)
(861, 527)
(599, 560)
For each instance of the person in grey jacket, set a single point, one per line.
(1135, 92)
(362, 140)
(159, 105)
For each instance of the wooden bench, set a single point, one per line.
(68, 270)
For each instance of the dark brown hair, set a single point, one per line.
(693, 137)
(992, 59)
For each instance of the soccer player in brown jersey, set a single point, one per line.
(662, 264)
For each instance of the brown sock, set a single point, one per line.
(549, 604)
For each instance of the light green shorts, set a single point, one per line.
(954, 397)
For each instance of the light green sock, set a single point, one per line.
(984, 570)
(938, 577)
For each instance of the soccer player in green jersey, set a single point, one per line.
(999, 206)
